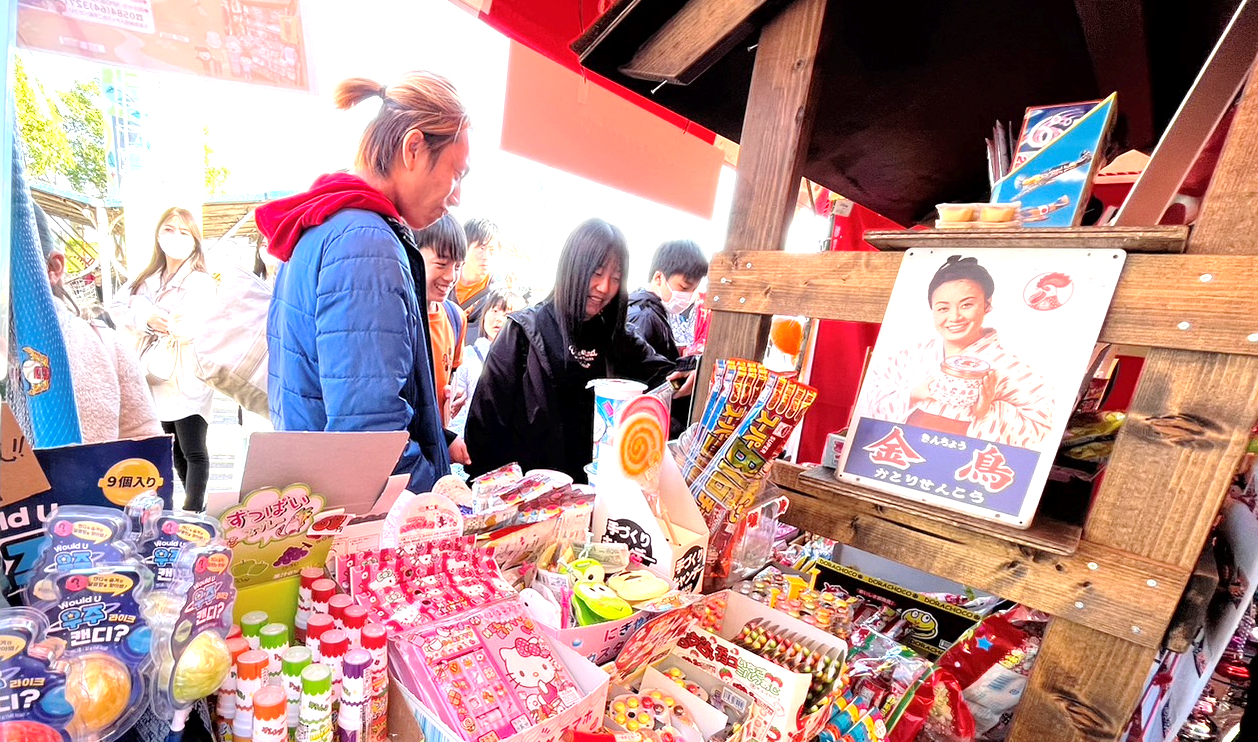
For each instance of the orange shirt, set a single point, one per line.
(447, 352)
(462, 293)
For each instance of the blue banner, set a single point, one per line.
(921, 463)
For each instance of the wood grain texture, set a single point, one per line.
(694, 39)
(1045, 534)
(1132, 239)
(1173, 462)
(780, 109)
(1190, 616)
(1099, 587)
(1083, 688)
(1155, 294)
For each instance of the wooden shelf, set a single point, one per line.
(1051, 536)
(1209, 305)
(1047, 567)
(1132, 239)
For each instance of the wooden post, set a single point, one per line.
(1173, 462)
(776, 130)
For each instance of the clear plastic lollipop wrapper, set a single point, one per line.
(38, 711)
(190, 635)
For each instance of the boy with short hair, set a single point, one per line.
(677, 268)
(444, 248)
(478, 275)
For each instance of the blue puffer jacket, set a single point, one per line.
(349, 347)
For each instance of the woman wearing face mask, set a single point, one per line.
(163, 303)
(676, 270)
(532, 404)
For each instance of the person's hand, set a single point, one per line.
(458, 452)
(158, 323)
(986, 395)
(688, 383)
(920, 393)
(457, 397)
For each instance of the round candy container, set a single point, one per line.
(959, 382)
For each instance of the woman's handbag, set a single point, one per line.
(159, 357)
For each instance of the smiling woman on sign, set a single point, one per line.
(963, 382)
(532, 404)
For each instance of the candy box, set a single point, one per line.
(623, 515)
(410, 719)
(779, 695)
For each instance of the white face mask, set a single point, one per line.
(176, 246)
(679, 302)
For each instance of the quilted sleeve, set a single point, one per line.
(363, 297)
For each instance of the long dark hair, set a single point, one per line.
(158, 263)
(584, 251)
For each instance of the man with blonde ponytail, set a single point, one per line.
(348, 333)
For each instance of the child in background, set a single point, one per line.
(498, 304)
(444, 248)
(677, 268)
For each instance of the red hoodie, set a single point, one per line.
(282, 222)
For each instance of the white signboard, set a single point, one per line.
(975, 374)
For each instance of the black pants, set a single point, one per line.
(192, 458)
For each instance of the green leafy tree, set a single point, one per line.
(215, 175)
(63, 134)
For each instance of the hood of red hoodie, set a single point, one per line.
(284, 221)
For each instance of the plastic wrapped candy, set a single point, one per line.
(189, 639)
(97, 613)
(39, 712)
(167, 534)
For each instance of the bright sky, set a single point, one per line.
(272, 140)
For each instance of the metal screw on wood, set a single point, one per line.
(1152, 583)
(724, 280)
(1079, 604)
(1207, 277)
(1135, 629)
(1253, 337)
(1184, 325)
(1093, 565)
(749, 265)
(742, 300)
(716, 298)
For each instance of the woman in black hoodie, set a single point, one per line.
(532, 405)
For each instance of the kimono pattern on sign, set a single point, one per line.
(1021, 413)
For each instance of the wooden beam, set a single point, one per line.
(1173, 462)
(1213, 294)
(696, 38)
(1132, 239)
(1083, 688)
(1099, 587)
(776, 131)
(1190, 616)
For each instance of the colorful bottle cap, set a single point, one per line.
(319, 623)
(337, 605)
(375, 637)
(274, 636)
(322, 590)
(356, 663)
(316, 680)
(333, 644)
(270, 704)
(251, 665)
(294, 660)
(311, 574)
(354, 617)
(251, 627)
(237, 646)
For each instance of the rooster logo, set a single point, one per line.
(1049, 291)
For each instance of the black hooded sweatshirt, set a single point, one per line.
(532, 406)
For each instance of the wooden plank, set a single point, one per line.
(1213, 294)
(776, 130)
(1099, 587)
(1190, 616)
(1172, 465)
(1083, 687)
(697, 37)
(1045, 534)
(1171, 239)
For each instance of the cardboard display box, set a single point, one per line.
(411, 720)
(622, 515)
